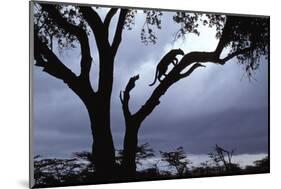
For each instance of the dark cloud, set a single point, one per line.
(240, 129)
(215, 104)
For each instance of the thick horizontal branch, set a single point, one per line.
(51, 64)
(197, 56)
(62, 22)
(236, 53)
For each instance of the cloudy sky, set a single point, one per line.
(215, 105)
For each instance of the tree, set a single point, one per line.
(263, 164)
(96, 102)
(52, 172)
(176, 159)
(142, 152)
(70, 26)
(260, 166)
(248, 39)
(223, 156)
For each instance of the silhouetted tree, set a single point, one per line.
(57, 171)
(262, 163)
(142, 153)
(177, 160)
(68, 25)
(221, 155)
(247, 39)
(260, 166)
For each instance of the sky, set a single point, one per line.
(214, 105)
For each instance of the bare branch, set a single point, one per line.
(174, 76)
(91, 17)
(126, 95)
(118, 33)
(86, 59)
(109, 16)
(97, 26)
(219, 156)
(186, 74)
(45, 58)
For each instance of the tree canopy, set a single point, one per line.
(247, 37)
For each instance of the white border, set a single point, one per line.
(14, 103)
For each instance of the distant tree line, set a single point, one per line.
(81, 170)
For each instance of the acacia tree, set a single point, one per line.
(177, 160)
(248, 40)
(221, 155)
(70, 26)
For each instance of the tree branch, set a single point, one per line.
(126, 96)
(172, 77)
(51, 64)
(97, 26)
(105, 55)
(175, 75)
(186, 74)
(236, 53)
(91, 16)
(118, 33)
(224, 39)
(109, 16)
(86, 59)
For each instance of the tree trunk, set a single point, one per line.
(103, 148)
(130, 149)
(103, 152)
(96, 102)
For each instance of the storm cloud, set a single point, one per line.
(215, 105)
